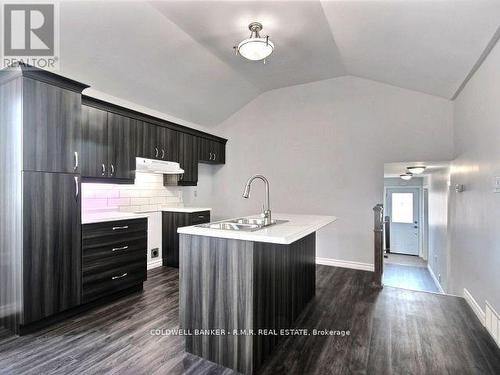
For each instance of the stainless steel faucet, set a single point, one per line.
(266, 214)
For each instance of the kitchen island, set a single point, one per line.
(239, 288)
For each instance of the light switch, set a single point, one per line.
(496, 185)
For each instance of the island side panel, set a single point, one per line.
(284, 282)
(216, 293)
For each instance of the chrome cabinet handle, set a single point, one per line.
(210, 158)
(156, 152)
(119, 248)
(119, 277)
(76, 162)
(103, 168)
(162, 153)
(215, 156)
(77, 188)
(201, 217)
(119, 228)
(181, 177)
(112, 169)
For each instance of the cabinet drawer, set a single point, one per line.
(112, 280)
(91, 245)
(199, 217)
(98, 259)
(117, 229)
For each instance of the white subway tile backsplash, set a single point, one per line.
(119, 202)
(95, 203)
(139, 201)
(147, 194)
(106, 194)
(158, 200)
(129, 193)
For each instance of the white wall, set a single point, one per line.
(202, 194)
(438, 252)
(475, 213)
(323, 146)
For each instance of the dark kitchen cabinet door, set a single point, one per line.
(204, 151)
(51, 128)
(94, 158)
(122, 149)
(170, 238)
(51, 244)
(171, 221)
(147, 141)
(188, 159)
(212, 152)
(168, 144)
(219, 152)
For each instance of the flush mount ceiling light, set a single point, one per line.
(406, 176)
(256, 47)
(416, 170)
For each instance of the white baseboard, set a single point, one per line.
(154, 264)
(475, 306)
(489, 319)
(436, 281)
(345, 264)
(492, 322)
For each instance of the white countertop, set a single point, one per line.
(297, 227)
(103, 216)
(175, 209)
(185, 209)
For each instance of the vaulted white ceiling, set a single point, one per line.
(305, 50)
(176, 57)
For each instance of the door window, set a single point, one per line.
(402, 207)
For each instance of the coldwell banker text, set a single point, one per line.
(30, 35)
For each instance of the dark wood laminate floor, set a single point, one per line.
(394, 331)
(409, 277)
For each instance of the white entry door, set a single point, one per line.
(403, 207)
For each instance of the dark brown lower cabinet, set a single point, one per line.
(114, 256)
(51, 244)
(170, 238)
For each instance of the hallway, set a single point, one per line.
(408, 272)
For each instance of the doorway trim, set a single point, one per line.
(421, 215)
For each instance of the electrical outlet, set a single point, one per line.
(496, 185)
(155, 253)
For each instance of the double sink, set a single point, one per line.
(242, 224)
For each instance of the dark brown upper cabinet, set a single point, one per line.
(109, 144)
(188, 159)
(147, 140)
(168, 143)
(94, 160)
(157, 142)
(122, 143)
(210, 151)
(51, 128)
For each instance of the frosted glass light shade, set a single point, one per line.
(406, 176)
(416, 170)
(255, 49)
